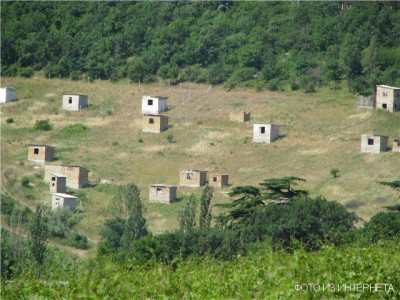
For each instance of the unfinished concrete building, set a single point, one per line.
(162, 193)
(366, 102)
(239, 116)
(388, 98)
(74, 102)
(373, 143)
(58, 183)
(265, 133)
(396, 145)
(63, 200)
(218, 180)
(7, 95)
(77, 176)
(155, 123)
(193, 178)
(154, 105)
(40, 153)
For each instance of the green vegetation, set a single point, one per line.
(334, 172)
(263, 44)
(72, 130)
(42, 125)
(10, 120)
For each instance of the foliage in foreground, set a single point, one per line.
(264, 274)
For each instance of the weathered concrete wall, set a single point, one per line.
(77, 177)
(240, 116)
(162, 193)
(63, 200)
(389, 97)
(373, 143)
(58, 184)
(218, 180)
(7, 95)
(366, 101)
(40, 153)
(74, 102)
(193, 178)
(154, 105)
(265, 133)
(155, 123)
(396, 145)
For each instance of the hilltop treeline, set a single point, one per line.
(272, 45)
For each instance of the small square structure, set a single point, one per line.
(366, 102)
(396, 145)
(265, 133)
(77, 176)
(154, 105)
(58, 183)
(239, 116)
(7, 95)
(193, 178)
(155, 123)
(218, 180)
(40, 153)
(373, 143)
(63, 200)
(74, 102)
(162, 193)
(388, 98)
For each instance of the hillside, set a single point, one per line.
(301, 44)
(262, 275)
(320, 131)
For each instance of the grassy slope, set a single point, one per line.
(263, 275)
(321, 131)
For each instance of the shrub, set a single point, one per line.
(334, 172)
(42, 125)
(72, 130)
(383, 226)
(170, 138)
(25, 181)
(26, 72)
(79, 241)
(10, 120)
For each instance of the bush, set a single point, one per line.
(75, 75)
(26, 72)
(79, 241)
(72, 130)
(334, 172)
(42, 125)
(10, 120)
(170, 138)
(25, 181)
(382, 226)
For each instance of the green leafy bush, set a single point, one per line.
(72, 130)
(42, 125)
(10, 120)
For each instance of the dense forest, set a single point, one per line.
(274, 45)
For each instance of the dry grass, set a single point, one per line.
(320, 131)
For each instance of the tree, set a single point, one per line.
(205, 211)
(383, 226)
(187, 216)
(37, 239)
(128, 206)
(282, 188)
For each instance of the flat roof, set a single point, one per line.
(74, 95)
(64, 195)
(194, 171)
(160, 97)
(162, 185)
(38, 145)
(58, 175)
(8, 88)
(73, 166)
(389, 87)
(375, 135)
(151, 115)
